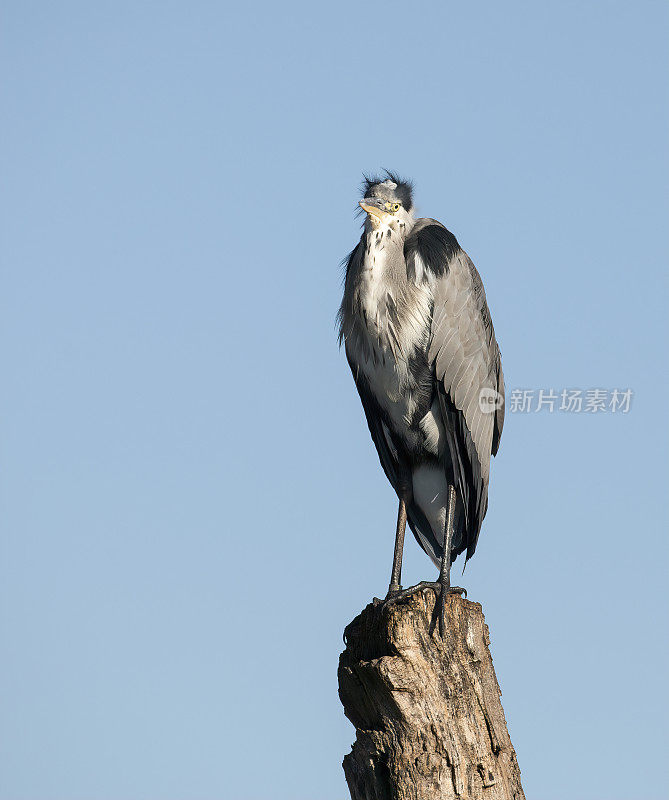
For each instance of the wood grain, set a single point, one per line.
(427, 711)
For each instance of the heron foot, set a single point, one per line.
(398, 594)
(395, 595)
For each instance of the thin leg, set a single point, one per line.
(396, 575)
(445, 571)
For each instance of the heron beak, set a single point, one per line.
(372, 210)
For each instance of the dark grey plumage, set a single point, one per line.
(421, 345)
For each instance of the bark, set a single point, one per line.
(427, 711)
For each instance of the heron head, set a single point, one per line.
(388, 201)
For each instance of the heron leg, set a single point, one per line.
(396, 575)
(445, 571)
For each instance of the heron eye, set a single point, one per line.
(396, 207)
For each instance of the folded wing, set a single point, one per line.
(467, 367)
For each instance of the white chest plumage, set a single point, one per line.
(374, 288)
(389, 328)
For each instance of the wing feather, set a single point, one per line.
(466, 359)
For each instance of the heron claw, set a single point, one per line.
(441, 605)
(399, 594)
(394, 595)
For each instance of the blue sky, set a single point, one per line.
(192, 509)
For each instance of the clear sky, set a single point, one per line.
(192, 508)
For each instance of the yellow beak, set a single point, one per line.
(374, 210)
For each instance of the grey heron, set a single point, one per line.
(420, 343)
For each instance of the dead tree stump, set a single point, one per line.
(429, 722)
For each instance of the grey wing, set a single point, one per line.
(468, 369)
(467, 366)
(499, 414)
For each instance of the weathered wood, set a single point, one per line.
(427, 710)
